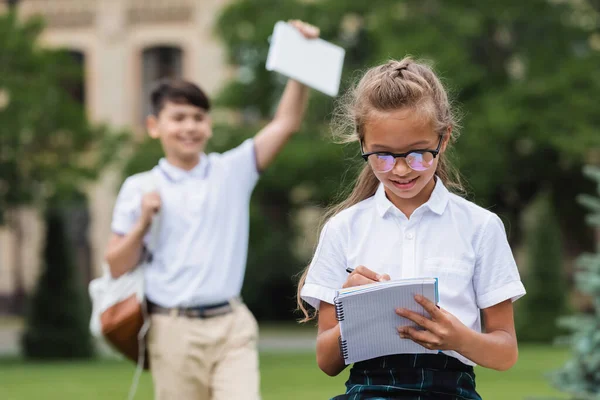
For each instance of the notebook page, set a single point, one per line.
(369, 325)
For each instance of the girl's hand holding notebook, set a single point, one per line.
(367, 316)
(443, 331)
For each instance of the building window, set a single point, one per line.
(159, 62)
(76, 87)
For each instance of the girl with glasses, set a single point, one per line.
(405, 219)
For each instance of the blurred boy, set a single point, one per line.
(203, 339)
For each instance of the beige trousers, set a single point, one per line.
(205, 359)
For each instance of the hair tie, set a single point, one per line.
(400, 69)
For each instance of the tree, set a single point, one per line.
(515, 141)
(522, 133)
(529, 107)
(47, 146)
(58, 318)
(547, 288)
(579, 376)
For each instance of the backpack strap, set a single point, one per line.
(149, 184)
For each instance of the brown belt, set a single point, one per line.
(209, 311)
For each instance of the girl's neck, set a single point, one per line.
(408, 206)
(184, 164)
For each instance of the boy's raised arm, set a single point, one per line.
(290, 112)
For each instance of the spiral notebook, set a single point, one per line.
(368, 320)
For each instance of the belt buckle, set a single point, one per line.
(214, 312)
(192, 313)
(196, 312)
(206, 312)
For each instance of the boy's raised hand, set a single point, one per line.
(309, 31)
(363, 276)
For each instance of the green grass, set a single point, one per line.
(11, 322)
(287, 376)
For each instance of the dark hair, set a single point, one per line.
(177, 91)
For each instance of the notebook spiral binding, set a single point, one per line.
(339, 310)
(343, 347)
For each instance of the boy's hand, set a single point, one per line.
(150, 206)
(309, 31)
(363, 276)
(442, 332)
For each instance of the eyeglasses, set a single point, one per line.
(417, 160)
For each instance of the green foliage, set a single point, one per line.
(47, 146)
(527, 87)
(580, 376)
(57, 322)
(546, 283)
(529, 117)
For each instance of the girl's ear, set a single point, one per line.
(446, 139)
(152, 126)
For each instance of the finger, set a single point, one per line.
(151, 198)
(418, 319)
(310, 31)
(358, 280)
(429, 306)
(385, 277)
(307, 30)
(422, 337)
(428, 346)
(366, 272)
(295, 23)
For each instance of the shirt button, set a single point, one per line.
(409, 236)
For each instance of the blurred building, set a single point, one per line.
(123, 46)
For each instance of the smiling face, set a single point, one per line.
(401, 131)
(183, 130)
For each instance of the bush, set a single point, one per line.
(58, 317)
(580, 376)
(545, 279)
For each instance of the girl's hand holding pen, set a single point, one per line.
(442, 332)
(362, 275)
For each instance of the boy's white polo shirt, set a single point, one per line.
(203, 242)
(462, 244)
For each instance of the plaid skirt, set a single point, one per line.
(411, 377)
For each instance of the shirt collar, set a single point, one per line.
(436, 203)
(176, 174)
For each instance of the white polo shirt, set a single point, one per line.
(448, 237)
(201, 254)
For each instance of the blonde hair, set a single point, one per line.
(388, 87)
